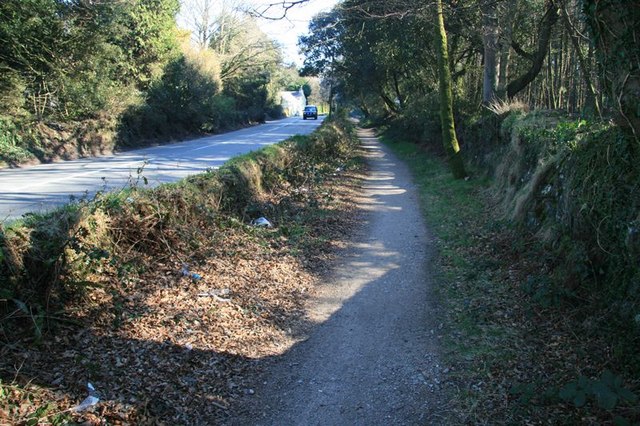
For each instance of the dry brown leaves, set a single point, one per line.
(164, 348)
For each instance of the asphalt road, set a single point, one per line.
(43, 187)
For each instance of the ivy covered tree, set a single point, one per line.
(449, 137)
(615, 29)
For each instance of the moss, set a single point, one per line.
(576, 187)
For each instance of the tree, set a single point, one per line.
(73, 59)
(490, 40)
(449, 137)
(242, 47)
(615, 29)
(536, 58)
(508, 17)
(249, 64)
(32, 39)
(199, 16)
(321, 48)
(146, 33)
(592, 103)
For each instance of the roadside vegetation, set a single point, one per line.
(519, 344)
(540, 247)
(160, 298)
(82, 78)
(538, 225)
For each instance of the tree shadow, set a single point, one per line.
(366, 354)
(52, 185)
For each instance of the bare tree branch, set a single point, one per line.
(274, 11)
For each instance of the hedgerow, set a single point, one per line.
(49, 259)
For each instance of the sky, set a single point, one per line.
(285, 31)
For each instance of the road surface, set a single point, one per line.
(45, 186)
(373, 357)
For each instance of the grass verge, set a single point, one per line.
(517, 354)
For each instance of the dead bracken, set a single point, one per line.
(162, 347)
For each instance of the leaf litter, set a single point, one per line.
(177, 342)
(510, 353)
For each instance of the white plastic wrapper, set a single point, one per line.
(89, 401)
(262, 222)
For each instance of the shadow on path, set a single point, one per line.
(373, 357)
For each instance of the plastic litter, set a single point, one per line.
(89, 401)
(221, 295)
(262, 222)
(186, 273)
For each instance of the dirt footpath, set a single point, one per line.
(371, 358)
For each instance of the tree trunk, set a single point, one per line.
(396, 86)
(537, 58)
(490, 40)
(615, 26)
(331, 99)
(592, 100)
(389, 103)
(508, 17)
(449, 138)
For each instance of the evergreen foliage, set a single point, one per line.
(388, 65)
(128, 69)
(565, 174)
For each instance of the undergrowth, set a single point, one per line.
(80, 269)
(517, 352)
(13, 147)
(574, 186)
(49, 259)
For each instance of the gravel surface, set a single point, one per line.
(372, 355)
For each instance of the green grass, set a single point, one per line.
(512, 359)
(452, 209)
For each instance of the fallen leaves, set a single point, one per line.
(161, 347)
(513, 355)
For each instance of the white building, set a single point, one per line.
(293, 103)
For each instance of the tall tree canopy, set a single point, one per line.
(86, 75)
(538, 51)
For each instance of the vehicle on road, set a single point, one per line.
(310, 111)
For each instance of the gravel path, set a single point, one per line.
(372, 357)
